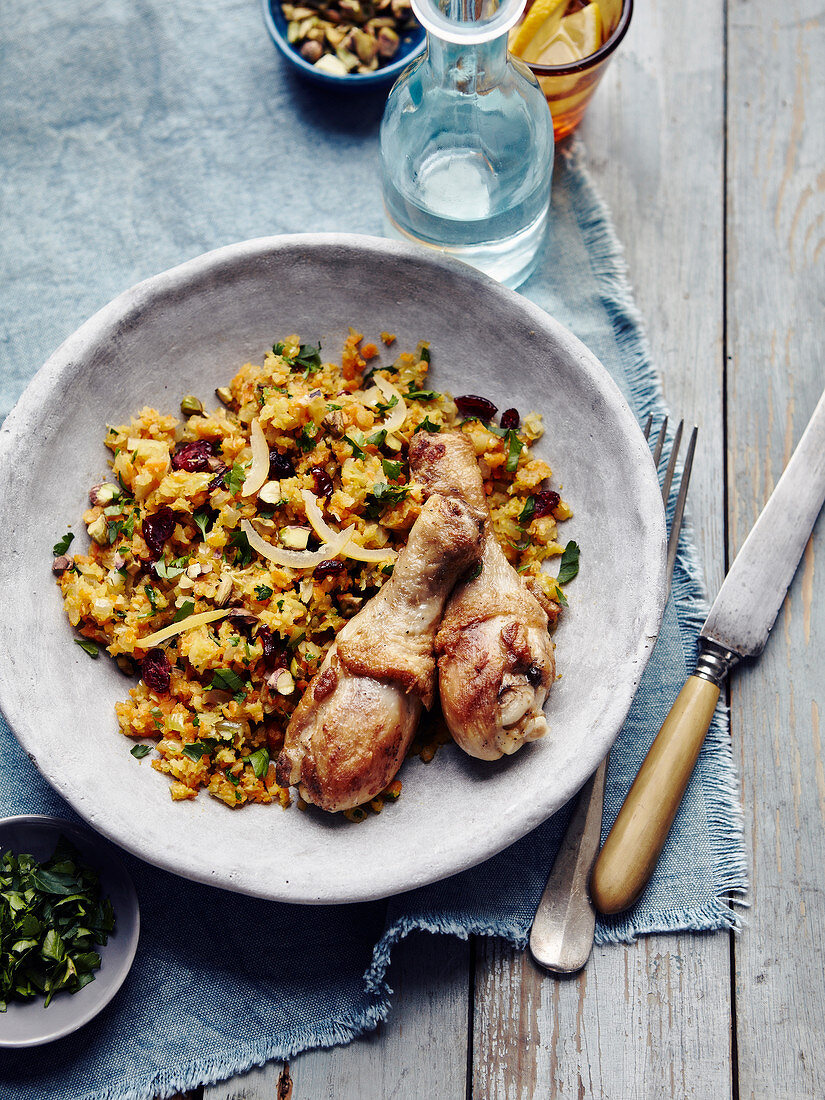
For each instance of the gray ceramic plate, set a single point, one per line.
(188, 330)
(28, 1024)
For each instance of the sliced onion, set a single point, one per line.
(296, 559)
(322, 529)
(189, 623)
(259, 470)
(398, 414)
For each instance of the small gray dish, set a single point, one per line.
(28, 1023)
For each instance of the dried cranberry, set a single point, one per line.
(534, 675)
(157, 528)
(328, 568)
(219, 480)
(156, 671)
(274, 650)
(193, 457)
(323, 482)
(546, 501)
(470, 405)
(510, 419)
(280, 465)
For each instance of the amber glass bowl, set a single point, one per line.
(569, 88)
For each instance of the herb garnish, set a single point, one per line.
(224, 679)
(392, 470)
(259, 761)
(171, 570)
(240, 544)
(383, 496)
(51, 916)
(569, 565)
(139, 751)
(184, 611)
(62, 546)
(427, 425)
(527, 512)
(196, 749)
(262, 592)
(235, 478)
(308, 357)
(514, 449)
(421, 395)
(88, 647)
(202, 521)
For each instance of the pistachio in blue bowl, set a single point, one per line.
(345, 43)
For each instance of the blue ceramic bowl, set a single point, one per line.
(412, 44)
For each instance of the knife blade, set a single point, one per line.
(737, 626)
(753, 591)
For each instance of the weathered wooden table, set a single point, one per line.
(707, 139)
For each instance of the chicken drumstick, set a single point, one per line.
(349, 735)
(495, 656)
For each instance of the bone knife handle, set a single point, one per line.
(635, 842)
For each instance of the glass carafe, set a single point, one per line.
(467, 142)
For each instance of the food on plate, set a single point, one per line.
(52, 916)
(348, 36)
(495, 657)
(352, 729)
(228, 548)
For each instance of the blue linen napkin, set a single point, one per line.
(137, 136)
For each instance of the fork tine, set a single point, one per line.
(679, 510)
(660, 442)
(648, 426)
(671, 466)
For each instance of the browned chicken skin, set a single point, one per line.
(349, 735)
(495, 656)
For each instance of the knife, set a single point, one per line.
(738, 626)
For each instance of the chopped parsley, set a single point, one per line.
(308, 358)
(377, 438)
(259, 762)
(201, 521)
(356, 444)
(52, 914)
(383, 496)
(196, 749)
(235, 478)
(308, 437)
(262, 592)
(171, 570)
(421, 395)
(392, 470)
(151, 596)
(139, 751)
(240, 544)
(184, 611)
(88, 647)
(527, 512)
(63, 545)
(224, 679)
(569, 565)
(427, 425)
(514, 449)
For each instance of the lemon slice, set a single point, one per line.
(577, 36)
(539, 13)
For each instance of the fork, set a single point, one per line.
(561, 938)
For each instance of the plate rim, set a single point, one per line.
(126, 307)
(114, 865)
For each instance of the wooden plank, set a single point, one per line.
(421, 1050)
(633, 1025)
(652, 1019)
(776, 285)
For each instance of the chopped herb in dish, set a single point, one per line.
(52, 916)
